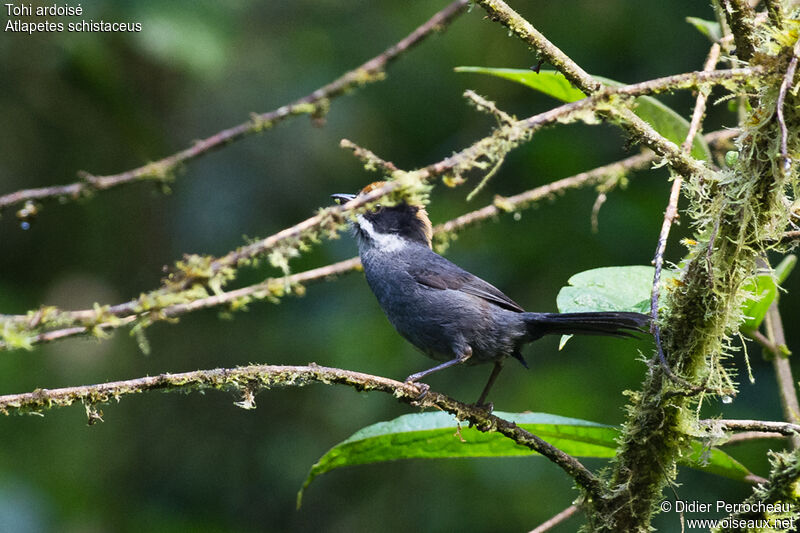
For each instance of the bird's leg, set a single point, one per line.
(460, 358)
(498, 366)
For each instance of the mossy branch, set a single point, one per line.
(784, 428)
(774, 503)
(639, 129)
(48, 324)
(248, 381)
(738, 214)
(500, 12)
(314, 104)
(740, 17)
(671, 213)
(194, 276)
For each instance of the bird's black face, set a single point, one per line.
(390, 227)
(407, 222)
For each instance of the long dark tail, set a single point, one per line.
(613, 323)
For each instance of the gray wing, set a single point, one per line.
(446, 275)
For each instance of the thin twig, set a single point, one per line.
(487, 106)
(671, 214)
(722, 137)
(790, 237)
(761, 339)
(313, 104)
(783, 369)
(370, 159)
(788, 81)
(784, 428)
(251, 379)
(557, 519)
(747, 436)
(511, 203)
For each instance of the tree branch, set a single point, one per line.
(788, 81)
(683, 163)
(775, 500)
(557, 519)
(671, 213)
(249, 380)
(500, 12)
(783, 369)
(314, 104)
(747, 436)
(370, 160)
(103, 319)
(784, 428)
(740, 18)
(524, 199)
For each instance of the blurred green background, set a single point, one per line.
(105, 103)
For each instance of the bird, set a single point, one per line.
(447, 313)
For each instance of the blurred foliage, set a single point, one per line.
(108, 102)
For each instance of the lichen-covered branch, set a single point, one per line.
(499, 11)
(671, 212)
(48, 324)
(505, 204)
(248, 381)
(740, 17)
(738, 213)
(639, 129)
(195, 275)
(773, 505)
(557, 519)
(371, 161)
(314, 104)
(784, 428)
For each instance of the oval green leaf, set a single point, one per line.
(622, 288)
(438, 435)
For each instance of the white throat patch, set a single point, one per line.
(387, 242)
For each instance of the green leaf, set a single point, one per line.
(709, 28)
(715, 461)
(663, 118)
(627, 288)
(623, 288)
(549, 82)
(765, 290)
(438, 435)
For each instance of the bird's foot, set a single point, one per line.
(422, 388)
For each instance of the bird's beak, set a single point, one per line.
(342, 198)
